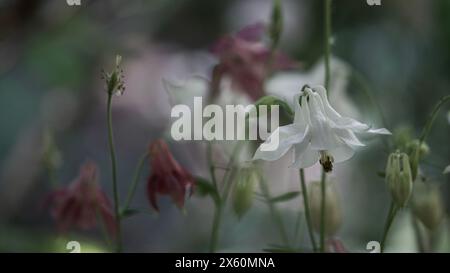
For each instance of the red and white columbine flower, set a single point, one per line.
(82, 202)
(247, 60)
(167, 176)
(318, 133)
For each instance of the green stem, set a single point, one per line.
(419, 236)
(389, 220)
(229, 174)
(322, 211)
(134, 183)
(432, 118)
(215, 230)
(114, 174)
(427, 129)
(214, 242)
(327, 36)
(273, 211)
(307, 210)
(209, 153)
(359, 78)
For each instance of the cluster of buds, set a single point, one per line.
(114, 80)
(427, 205)
(399, 178)
(244, 187)
(333, 213)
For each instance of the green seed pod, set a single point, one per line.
(399, 178)
(333, 214)
(427, 205)
(243, 190)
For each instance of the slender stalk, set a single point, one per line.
(432, 118)
(419, 236)
(327, 37)
(427, 129)
(114, 174)
(214, 242)
(229, 174)
(134, 183)
(215, 230)
(209, 154)
(389, 220)
(307, 211)
(323, 211)
(274, 212)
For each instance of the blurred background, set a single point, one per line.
(50, 81)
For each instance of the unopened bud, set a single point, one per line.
(399, 178)
(427, 205)
(417, 153)
(333, 215)
(276, 25)
(424, 149)
(243, 190)
(114, 80)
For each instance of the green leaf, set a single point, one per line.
(204, 188)
(133, 211)
(285, 197)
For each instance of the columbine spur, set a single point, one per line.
(318, 133)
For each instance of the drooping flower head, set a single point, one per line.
(167, 176)
(82, 203)
(318, 133)
(247, 60)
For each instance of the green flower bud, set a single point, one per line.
(424, 149)
(427, 205)
(114, 81)
(244, 188)
(51, 157)
(416, 154)
(276, 26)
(333, 214)
(399, 178)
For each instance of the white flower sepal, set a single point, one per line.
(318, 133)
(447, 170)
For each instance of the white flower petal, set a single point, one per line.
(381, 131)
(301, 116)
(288, 135)
(447, 170)
(342, 153)
(348, 137)
(286, 85)
(323, 136)
(305, 157)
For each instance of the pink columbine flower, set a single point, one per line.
(82, 202)
(167, 176)
(247, 60)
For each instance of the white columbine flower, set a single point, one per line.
(318, 133)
